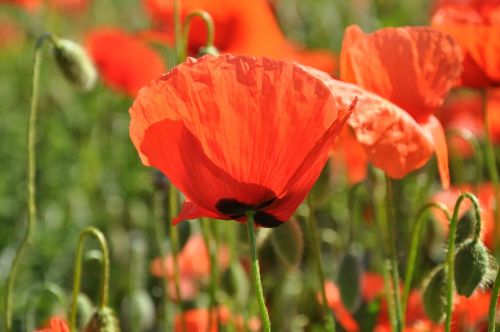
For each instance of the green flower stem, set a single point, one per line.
(174, 242)
(31, 184)
(492, 168)
(474, 144)
(450, 259)
(178, 31)
(159, 231)
(209, 23)
(266, 322)
(315, 243)
(416, 235)
(492, 312)
(391, 229)
(211, 243)
(103, 301)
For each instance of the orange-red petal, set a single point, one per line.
(413, 67)
(438, 137)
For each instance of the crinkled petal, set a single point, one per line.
(437, 135)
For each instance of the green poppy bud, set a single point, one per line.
(434, 295)
(103, 320)
(138, 311)
(84, 310)
(349, 281)
(74, 63)
(465, 227)
(288, 243)
(471, 267)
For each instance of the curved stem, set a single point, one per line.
(416, 235)
(315, 242)
(450, 259)
(391, 229)
(31, 183)
(266, 322)
(492, 169)
(103, 301)
(474, 144)
(209, 23)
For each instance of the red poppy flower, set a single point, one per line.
(476, 27)
(236, 133)
(464, 111)
(343, 315)
(410, 70)
(124, 62)
(485, 195)
(55, 325)
(349, 157)
(469, 314)
(194, 265)
(246, 27)
(198, 320)
(29, 5)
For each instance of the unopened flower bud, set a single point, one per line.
(138, 311)
(434, 295)
(84, 310)
(471, 267)
(103, 320)
(75, 63)
(465, 227)
(349, 281)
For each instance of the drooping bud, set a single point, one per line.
(349, 281)
(103, 320)
(74, 63)
(434, 295)
(288, 242)
(465, 227)
(471, 267)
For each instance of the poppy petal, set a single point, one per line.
(437, 135)
(190, 211)
(413, 67)
(232, 128)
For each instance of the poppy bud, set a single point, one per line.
(138, 311)
(212, 50)
(84, 310)
(465, 227)
(103, 320)
(434, 295)
(288, 243)
(471, 267)
(349, 281)
(75, 64)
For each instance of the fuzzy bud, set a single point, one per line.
(434, 296)
(471, 267)
(103, 320)
(465, 227)
(75, 63)
(349, 281)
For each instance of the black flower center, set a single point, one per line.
(235, 209)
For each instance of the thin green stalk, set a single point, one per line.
(31, 184)
(391, 229)
(178, 31)
(315, 243)
(209, 23)
(450, 259)
(266, 322)
(174, 242)
(159, 231)
(211, 244)
(492, 312)
(103, 298)
(416, 235)
(492, 169)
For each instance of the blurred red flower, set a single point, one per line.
(476, 27)
(349, 157)
(194, 265)
(29, 5)
(198, 320)
(411, 70)
(11, 33)
(485, 195)
(236, 133)
(124, 62)
(340, 312)
(464, 111)
(55, 325)
(246, 27)
(471, 314)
